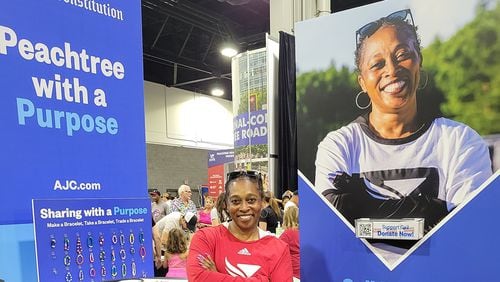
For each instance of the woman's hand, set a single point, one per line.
(158, 262)
(207, 262)
(203, 225)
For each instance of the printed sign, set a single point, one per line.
(401, 229)
(72, 102)
(93, 239)
(217, 163)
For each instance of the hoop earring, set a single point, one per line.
(357, 103)
(422, 72)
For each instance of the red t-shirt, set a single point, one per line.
(291, 237)
(266, 259)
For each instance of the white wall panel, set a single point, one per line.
(182, 118)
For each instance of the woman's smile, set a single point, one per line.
(394, 87)
(389, 70)
(245, 217)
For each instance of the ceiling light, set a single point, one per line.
(217, 92)
(228, 50)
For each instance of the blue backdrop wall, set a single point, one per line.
(72, 112)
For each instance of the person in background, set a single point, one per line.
(287, 195)
(291, 237)
(219, 213)
(239, 250)
(270, 215)
(167, 198)
(162, 228)
(204, 215)
(294, 200)
(159, 208)
(176, 253)
(183, 202)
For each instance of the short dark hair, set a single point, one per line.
(155, 191)
(251, 175)
(401, 26)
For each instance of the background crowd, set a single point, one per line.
(245, 216)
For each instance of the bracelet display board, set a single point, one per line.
(93, 239)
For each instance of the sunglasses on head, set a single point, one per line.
(369, 28)
(248, 173)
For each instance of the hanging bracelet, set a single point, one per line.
(90, 241)
(103, 271)
(131, 238)
(141, 237)
(134, 269)
(92, 272)
(66, 243)
(124, 270)
(79, 259)
(68, 277)
(78, 245)
(101, 240)
(122, 239)
(80, 275)
(114, 272)
(102, 255)
(52, 242)
(67, 260)
(142, 252)
(123, 254)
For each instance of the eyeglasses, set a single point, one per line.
(248, 173)
(369, 28)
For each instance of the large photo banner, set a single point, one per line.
(72, 102)
(397, 118)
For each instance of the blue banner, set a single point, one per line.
(250, 128)
(464, 248)
(220, 157)
(72, 102)
(93, 239)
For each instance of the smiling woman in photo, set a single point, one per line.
(239, 250)
(394, 161)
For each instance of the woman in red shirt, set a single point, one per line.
(291, 237)
(239, 250)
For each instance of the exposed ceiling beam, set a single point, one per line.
(185, 41)
(160, 32)
(171, 62)
(180, 14)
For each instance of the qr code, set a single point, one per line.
(365, 230)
